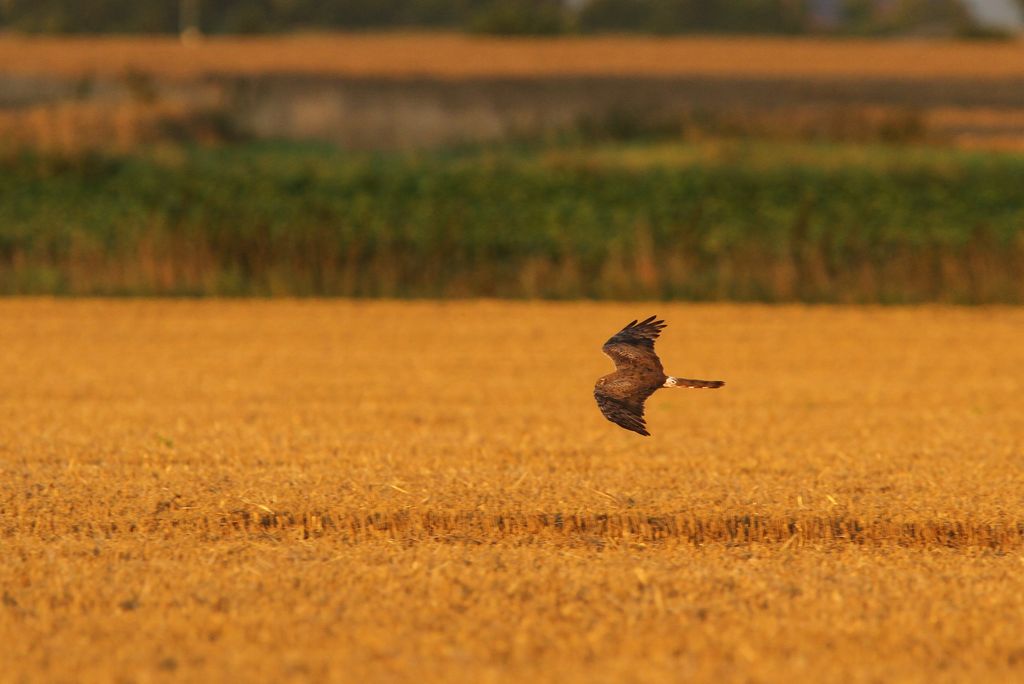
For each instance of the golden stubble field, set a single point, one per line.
(281, 490)
(446, 55)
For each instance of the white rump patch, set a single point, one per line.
(670, 382)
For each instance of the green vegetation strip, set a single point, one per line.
(709, 221)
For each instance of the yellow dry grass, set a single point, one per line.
(70, 127)
(280, 490)
(460, 56)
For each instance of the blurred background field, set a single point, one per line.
(423, 90)
(820, 163)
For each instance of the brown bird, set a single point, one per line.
(638, 373)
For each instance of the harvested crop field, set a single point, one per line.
(459, 56)
(386, 491)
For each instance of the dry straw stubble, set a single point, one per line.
(332, 489)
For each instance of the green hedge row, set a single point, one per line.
(489, 16)
(739, 221)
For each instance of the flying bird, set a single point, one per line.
(638, 374)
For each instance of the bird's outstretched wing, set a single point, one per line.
(624, 411)
(632, 348)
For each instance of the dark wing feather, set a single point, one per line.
(627, 412)
(632, 348)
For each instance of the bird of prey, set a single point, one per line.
(638, 373)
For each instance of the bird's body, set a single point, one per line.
(638, 374)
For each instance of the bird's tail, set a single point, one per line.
(698, 384)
